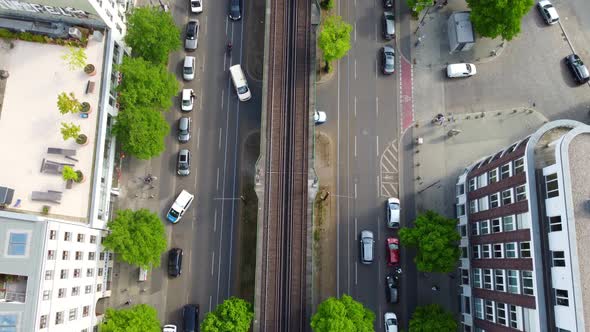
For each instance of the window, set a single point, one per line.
(518, 165)
(473, 206)
(98, 287)
(102, 239)
(507, 197)
(486, 251)
(79, 255)
(477, 278)
(494, 200)
(520, 193)
(501, 313)
(514, 316)
(505, 171)
(512, 281)
(48, 274)
(499, 280)
(510, 250)
(555, 224)
(482, 204)
(561, 297)
(65, 255)
(490, 310)
(496, 225)
(478, 308)
(61, 293)
(101, 256)
(73, 313)
(89, 272)
(551, 186)
(92, 239)
(482, 180)
(59, 317)
(88, 289)
(527, 282)
(43, 322)
(91, 256)
(464, 252)
(525, 249)
(46, 295)
(523, 221)
(17, 244)
(498, 250)
(52, 235)
(485, 227)
(487, 279)
(558, 258)
(472, 185)
(85, 311)
(464, 277)
(476, 253)
(80, 238)
(68, 236)
(63, 274)
(460, 189)
(75, 291)
(50, 254)
(77, 273)
(99, 272)
(493, 175)
(475, 228)
(110, 256)
(508, 223)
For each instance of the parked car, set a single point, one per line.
(387, 4)
(184, 129)
(366, 247)
(192, 35)
(188, 68)
(319, 117)
(190, 317)
(169, 328)
(392, 210)
(196, 6)
(388, 60)
(578, 68)
(390, 322)
(461, 70)
(183, 167)
(175, 262)
(548, 12)
(391, 288)
(188, 100)
(235, 10)
(392, 244)
(179, 207)
(388, 25)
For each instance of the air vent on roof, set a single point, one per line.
(75, 33)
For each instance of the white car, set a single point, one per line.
(548, 12)
(196, 6)
(461, 70)
(319, 117)
(390, 322)
(392, 209)
(188, 100)
(169, 328)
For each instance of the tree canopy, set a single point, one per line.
(493, 18)
(146, 84)
(334, 39)
(436, 239)
(432, 318)
(140, 318)
(141, 132)
(152, 34)
(234, 314)
(137, 237)
(343, 315)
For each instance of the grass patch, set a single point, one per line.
(248, 227)
(319, 212)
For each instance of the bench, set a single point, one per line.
(90, 87)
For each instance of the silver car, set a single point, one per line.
(183, 167)
(548, 12)
(367, 247)
(184, 129)
(392, 209)
(192, 35)
(388, 60)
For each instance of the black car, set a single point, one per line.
(235, 9)
(387, 4)
(190, 317)
(391, 286)
(578, 68)
(175, 262)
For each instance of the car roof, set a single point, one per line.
(388, 48)
(186, 93)
(368, 234)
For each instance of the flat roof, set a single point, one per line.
(30, 124)
(579, 159)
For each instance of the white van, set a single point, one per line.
(240, 83)
(179, 207)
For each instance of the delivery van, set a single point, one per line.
(240, 83)
(179, 207)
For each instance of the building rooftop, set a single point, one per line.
(30, 124)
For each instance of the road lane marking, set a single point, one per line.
(222, 91)
(338, 178)
(217, 185)
(215, 221)
(219, 140)
(355, 191)
(355, 68)
(377, 147)
(355, 106)
(355, 26)
(201, 100)
(356, 225)
(356, 277)
(210, 302)
(212, 261)
(198, 136)
(377, 105)
(355, 146)
(378, 230)
(378, 191)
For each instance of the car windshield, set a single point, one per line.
(468, 66)
(197, 3)
(391, 321)
(389, 17)
(173, 213)
(186, 102)
(394, 206)
(188, 70)
(242, 89)
(183, 166)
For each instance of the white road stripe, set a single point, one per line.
(217, 183)
(215, 221)
(377, 147)
(212, 261)
(219, 140)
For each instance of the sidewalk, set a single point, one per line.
(433, 49)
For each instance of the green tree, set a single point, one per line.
(343, 315)
(152, 34)
(334, 39)
(493, 18)
(146, 84)
(141, 132)
(68, 173)
(75, 58)
(432, 318)
(69, 130)
(436, 239)
(234, 314)
(67, 103)
(139, 318)
(416, 6)
(137, 237)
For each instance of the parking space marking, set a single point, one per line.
(212, 261)
(389, 182)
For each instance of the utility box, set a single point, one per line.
(461, 33)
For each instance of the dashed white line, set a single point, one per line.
(355, 106)
(198, 136)
(222, 96)
(355, 191)
(355, 146)
(215, 221)
(356, 277)
(355, 225)
(355, 68)
(210, 302)
(355, 25)
(217, 183)
(212, 261)
(219, 140)
(377, 106)
(377, 146)
(378, 187)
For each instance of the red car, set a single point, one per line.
(393, 251)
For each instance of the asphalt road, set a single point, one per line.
(220, 123)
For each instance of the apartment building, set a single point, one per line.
(524, 220)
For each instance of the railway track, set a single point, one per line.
(283, 278)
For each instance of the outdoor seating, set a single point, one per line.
(52, 167)
(63, 152)
(51, 196)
